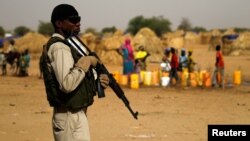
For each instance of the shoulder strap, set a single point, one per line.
(46, 47)
(53, 40)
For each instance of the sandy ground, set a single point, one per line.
(165, 114)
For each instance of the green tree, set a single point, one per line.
(238, 29)
(158, 24)
(21, 30)
(45, 28)
(2, 31)
(185, 25)
(222, 30)
(91, 30)
(198, 29)
(135, 24)
(109, 29)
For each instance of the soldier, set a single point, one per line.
(69, 79)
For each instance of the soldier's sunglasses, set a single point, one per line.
(74, 19)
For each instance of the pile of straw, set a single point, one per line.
(192, 38)
(147, 38)
(174, 39)
(90, 40)
(108, 45)
(241, 46)
(32, 41)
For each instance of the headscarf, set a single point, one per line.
(129, 48)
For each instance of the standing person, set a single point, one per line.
(190, 61)
(165, 65)
(11, 47)
(24, 63)
(127, 53)
(69, 78)
(183, 60)
(3, 63)
(140, 59)
(190, 66)
(13, 56)
(174, 65)
(219, 68)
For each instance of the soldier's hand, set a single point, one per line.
(104, 79)
(86, 61)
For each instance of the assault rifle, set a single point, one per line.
(83, 50)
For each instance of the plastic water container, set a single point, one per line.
(193, 79)
(147, 78)
(184, 77)
(142, 74)
(207, 81)
(155, 80)
(116, 75)
(165, 81)
(134, 81)
(164, 74)
(237, 77)
(123, 79)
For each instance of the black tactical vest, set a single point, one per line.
(82, 96)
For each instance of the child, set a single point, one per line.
(165, 65)
(190, 62)
(219, 68)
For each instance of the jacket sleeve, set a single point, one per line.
(68, 75)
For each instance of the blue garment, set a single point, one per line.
(128, 65)
(183, 61)
(25, 61)
(1, 43)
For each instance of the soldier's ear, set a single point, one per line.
(58, 23)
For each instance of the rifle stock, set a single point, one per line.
(101, 69)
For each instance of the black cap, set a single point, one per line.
(63, 11)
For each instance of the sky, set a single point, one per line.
(99, 14)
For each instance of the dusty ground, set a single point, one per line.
(165, 114)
